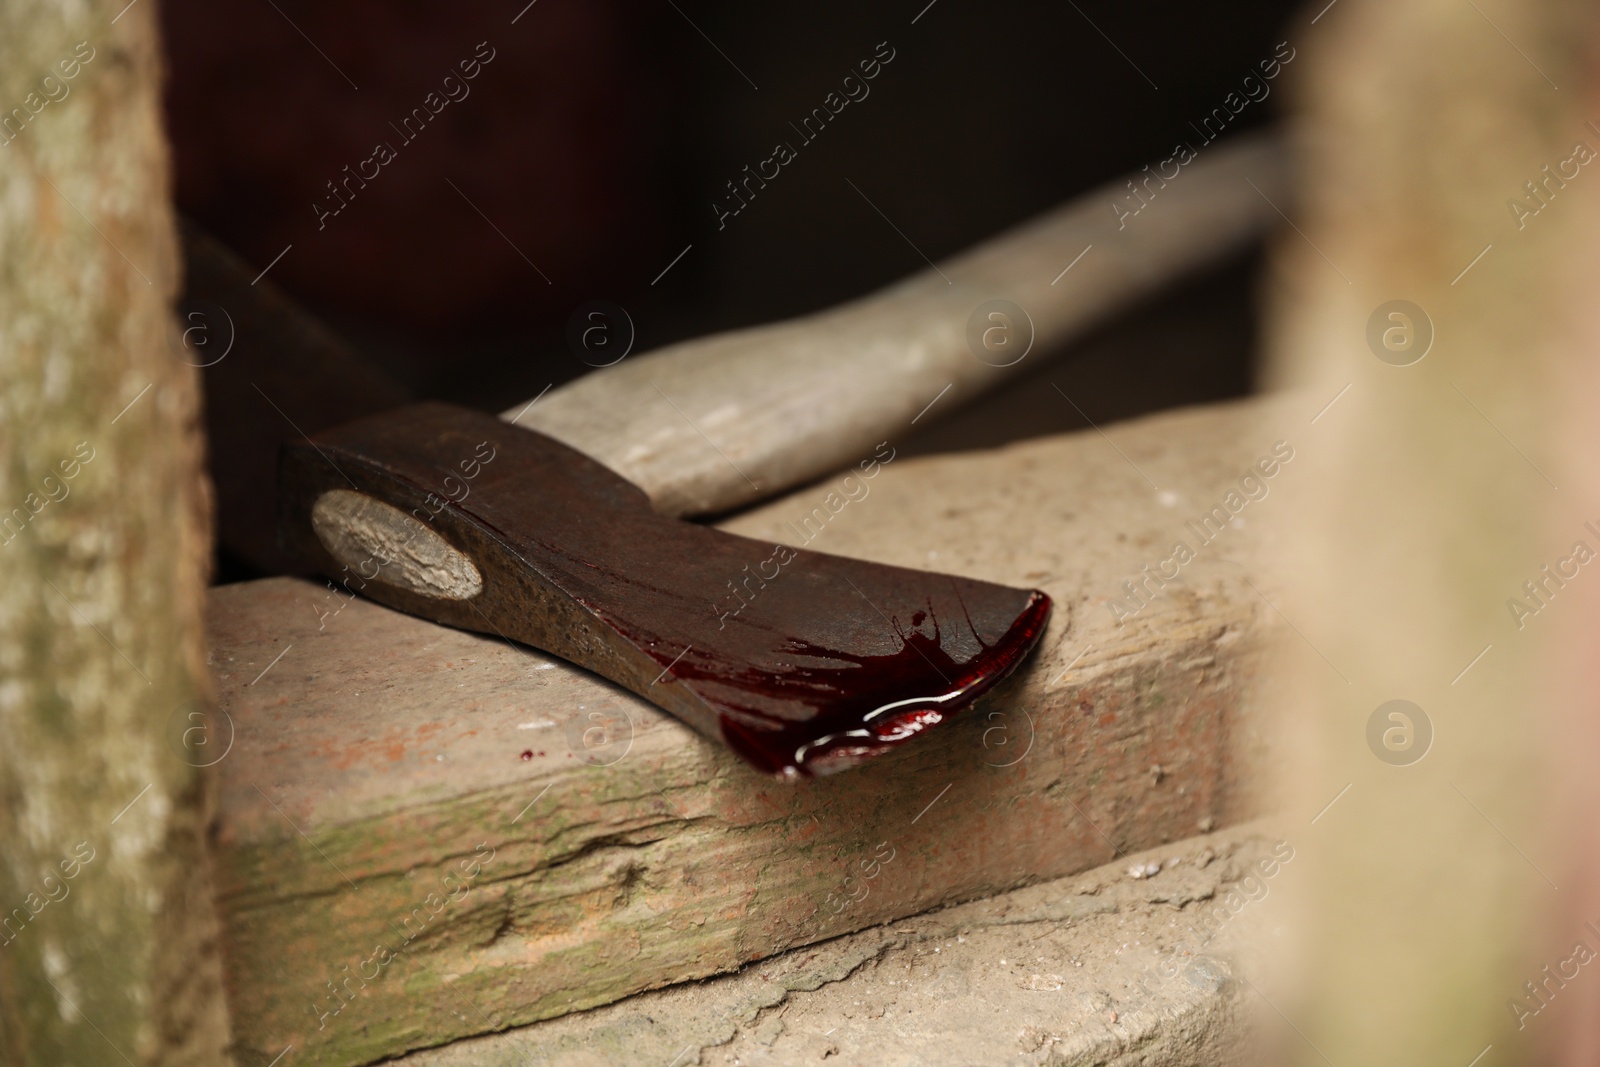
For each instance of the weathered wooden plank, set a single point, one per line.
(418, 844)
(1098, 968)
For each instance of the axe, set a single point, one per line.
(561, 524)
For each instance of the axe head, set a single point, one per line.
(802, 663)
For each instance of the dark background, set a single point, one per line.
(594, 144)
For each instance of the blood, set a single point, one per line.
(527, 754)
(798, 679)
(847, 723)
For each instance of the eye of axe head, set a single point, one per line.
(801, 662)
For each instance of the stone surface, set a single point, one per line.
(1097, 969)
(427, 834)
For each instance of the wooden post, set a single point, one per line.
(107, 936)
(1434, 295)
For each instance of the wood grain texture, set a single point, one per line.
(394, 783)
(717, 422)
(108, 952)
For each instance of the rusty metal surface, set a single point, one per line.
(803, 663)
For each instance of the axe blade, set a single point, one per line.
(802, 663)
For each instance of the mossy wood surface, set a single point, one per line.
(427, 834)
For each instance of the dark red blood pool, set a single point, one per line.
(870, 704)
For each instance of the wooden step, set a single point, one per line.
(427, 834)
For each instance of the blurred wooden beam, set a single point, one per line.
(108, 937)
(1459, 329)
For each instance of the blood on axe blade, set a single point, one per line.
(836, 660)
(564, 538)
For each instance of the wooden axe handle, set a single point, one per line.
(710, 424)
